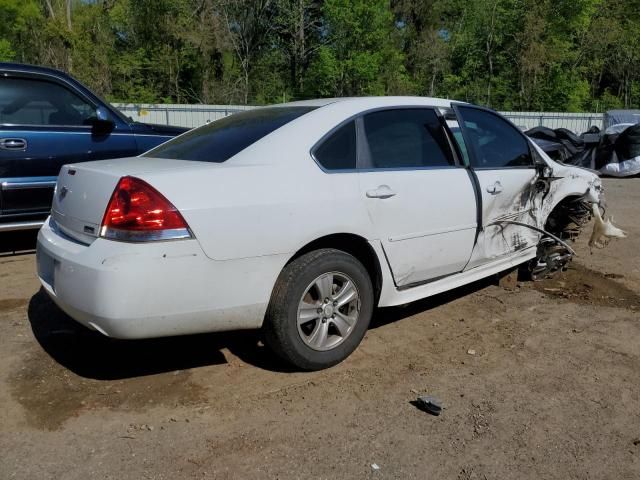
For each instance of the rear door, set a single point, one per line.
(421, 202)
(44, 124)
(501, 160)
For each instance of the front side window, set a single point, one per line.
(220, 140)
(26, 101)
(405, 138)
(494, 141)
(338, 151)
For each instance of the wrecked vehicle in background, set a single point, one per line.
(302, 218)
(614, 152)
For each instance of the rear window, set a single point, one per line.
(222, 139)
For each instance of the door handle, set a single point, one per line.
(13, 144)
(495, 189)
(383, 191)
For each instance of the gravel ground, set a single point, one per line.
(552, 390)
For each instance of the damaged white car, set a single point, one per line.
(302, 218)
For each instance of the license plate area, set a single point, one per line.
(47, 266)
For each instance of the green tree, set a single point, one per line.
(361, 55)
(508, 54)
(20, 22)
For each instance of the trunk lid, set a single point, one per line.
(83, 191)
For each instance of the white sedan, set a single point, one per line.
(302, 218)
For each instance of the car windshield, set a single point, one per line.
(220, 140)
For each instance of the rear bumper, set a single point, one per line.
(156, 289)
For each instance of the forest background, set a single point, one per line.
(517, 55)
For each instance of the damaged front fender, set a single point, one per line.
(565, 210)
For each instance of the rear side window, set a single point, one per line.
(338, 151)
(25, 101)
(405, 138)
(220, 140)
(456, 132)
(494, 141)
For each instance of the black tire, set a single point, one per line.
(281, 328)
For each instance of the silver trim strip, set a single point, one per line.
(144, 235)
(20, 183)
(26, 126)
(13, 226)
(87, 132)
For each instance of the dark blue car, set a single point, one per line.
(48, 119)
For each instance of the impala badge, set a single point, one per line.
(63, 193)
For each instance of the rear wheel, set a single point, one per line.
(320, 309)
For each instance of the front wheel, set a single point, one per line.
(552, 258)
(320, 309)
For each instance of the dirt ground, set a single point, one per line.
(552, 391)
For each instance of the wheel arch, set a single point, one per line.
(559, 202)
(354, 245)
(558, 218)
(573, 184)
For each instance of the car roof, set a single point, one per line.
(372, 102)
(23, 67)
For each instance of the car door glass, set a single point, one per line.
(338, 151)
(456, 132)
(38, 102)
(406, 138)
(495, 142)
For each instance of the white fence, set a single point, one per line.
(182, 115)
(196, 115)
(576, 122)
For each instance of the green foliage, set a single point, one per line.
(7, 53)
(571, 55)
(358, 51)
(20, 22)
(609, 101)
(324, 73)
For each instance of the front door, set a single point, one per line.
(502, 162)
(421, 204)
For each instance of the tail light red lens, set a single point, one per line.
(138, 212)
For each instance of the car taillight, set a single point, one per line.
(137, 212)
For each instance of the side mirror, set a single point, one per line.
(103, 122)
